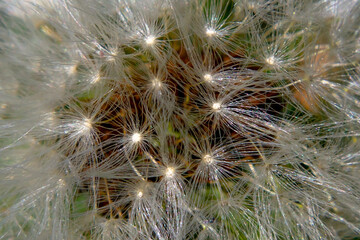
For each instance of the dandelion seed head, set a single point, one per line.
(157, 120)
(136, 137)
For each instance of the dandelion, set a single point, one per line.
(166, 119)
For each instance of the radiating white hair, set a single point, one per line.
(179, 119)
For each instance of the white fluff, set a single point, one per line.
(171, 119)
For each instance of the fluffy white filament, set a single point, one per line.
(167, 119)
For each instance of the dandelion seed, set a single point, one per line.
(96, 78)
(112, 56)
(88, 123)
(72, 69)
(140, 194)
(156, 83)
(150, 40)
(82, 127)
(136, 137)
(170, 172)
(2, 108)
(271, 60)
(252, 6)
(216, 106)
(49, 31)
(207, 77)
(208, 159)
(325, 82)
(61, 183)
(210, 32)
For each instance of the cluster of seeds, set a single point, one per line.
(200, 119)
